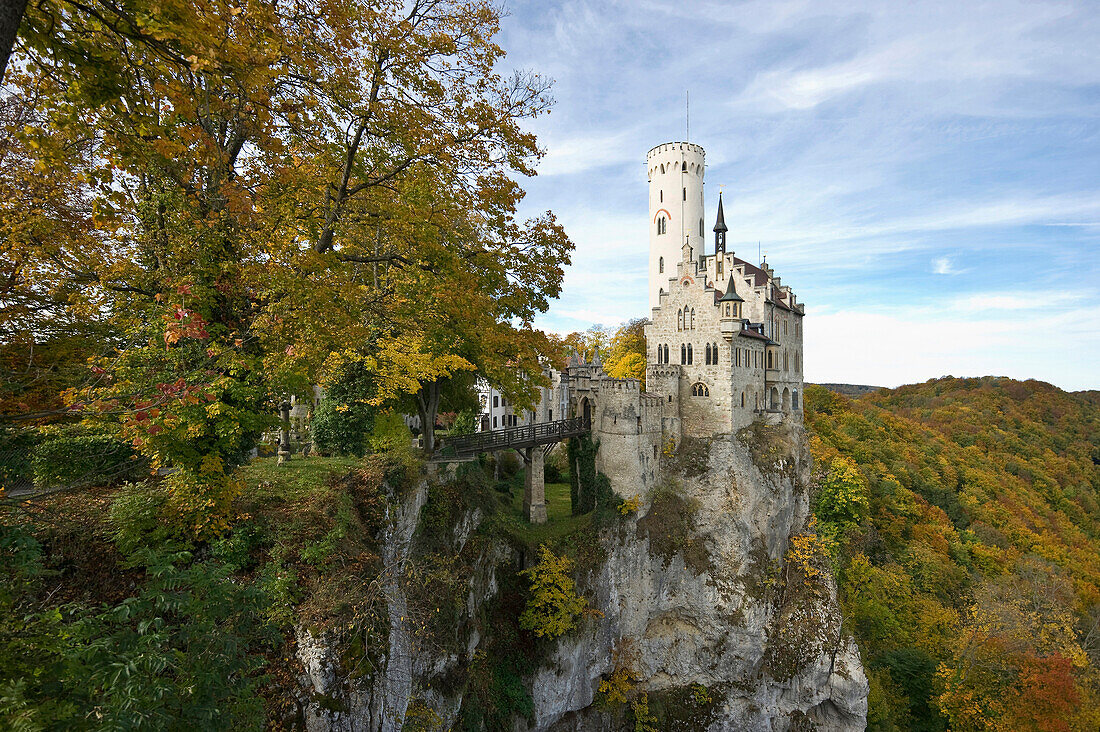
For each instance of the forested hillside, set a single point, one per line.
(965, 528)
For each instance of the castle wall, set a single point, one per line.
(628, 424)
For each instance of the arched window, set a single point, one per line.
(683, 354)
(700, 390)
(794, 398)
(786, 361)
(679, 319)
(693, 318)
(662, 168)
(708, 355)
(666, 353)
(684, 168)
(689, 354)
(662, 225)
(661, 265)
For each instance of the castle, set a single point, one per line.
(723, 342)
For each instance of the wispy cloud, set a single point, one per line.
(944, 266)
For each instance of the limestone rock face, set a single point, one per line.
(695, 596)
(716, 613)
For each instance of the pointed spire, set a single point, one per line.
(720, 225)
(720, 229)
(731, 293)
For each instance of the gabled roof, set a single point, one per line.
(759, 275)
(748, 333)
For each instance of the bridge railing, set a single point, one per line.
(539, 433)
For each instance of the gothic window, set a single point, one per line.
(684, 169)
(662, 225)
(797, 362)
(679, 319)
(786, 362)
(689, 354)
(683, 354)
(700, 390)
(661, 265)
(794, 398)
(770, 354)
(693, 318)
(714, 350)
(662, 168)
(708, 355)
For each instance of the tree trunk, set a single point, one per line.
(11, 15)
(427, 406)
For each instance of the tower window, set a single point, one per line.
(684, 167)
(662, 225)
(662, 194)
(661, 265)
(701, 227)
(685, 194)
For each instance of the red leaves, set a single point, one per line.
(188, 324)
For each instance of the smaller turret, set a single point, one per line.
(729, 311)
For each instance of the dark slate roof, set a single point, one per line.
(753, 334)
(731, 294)
(720, 225)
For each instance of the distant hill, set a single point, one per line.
(850, 390)
(971, 577)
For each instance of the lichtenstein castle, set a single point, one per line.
(724, 341)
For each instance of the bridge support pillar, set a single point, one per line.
(534, 486)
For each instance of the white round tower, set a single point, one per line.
(675, 210)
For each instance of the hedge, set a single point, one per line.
(85, 460)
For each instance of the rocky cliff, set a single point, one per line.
(716, 611)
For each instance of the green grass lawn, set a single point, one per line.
(297, 478)
(560, 521)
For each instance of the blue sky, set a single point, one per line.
(926, 176)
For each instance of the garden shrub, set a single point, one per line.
(72, 461)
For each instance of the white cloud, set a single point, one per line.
(943, 266)
(889, 349)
